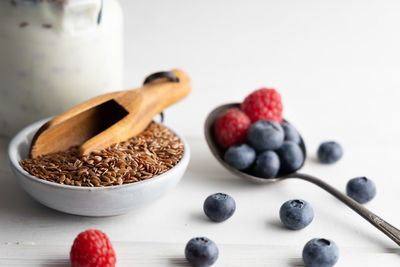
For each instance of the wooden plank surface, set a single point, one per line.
(170, 254)
(33, 235)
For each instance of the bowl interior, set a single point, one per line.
(19, 149)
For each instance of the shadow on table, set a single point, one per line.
(276, 224)
(179, 261)
(57, 263)
(296, 262)
(205, 169)
(393, 251)
(17, 207)
(199, 216)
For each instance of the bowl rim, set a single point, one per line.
(21, 136)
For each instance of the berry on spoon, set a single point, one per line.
(240, 157)
(291, 157)
(231, 128)
(265, 135)
(267, 165)
(263, 104)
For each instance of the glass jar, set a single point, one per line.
(55, 54)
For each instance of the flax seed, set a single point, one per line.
(151, 153)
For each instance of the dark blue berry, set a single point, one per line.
(291, 157)
(319, 252)
(330, 152)
(291, 134)
(296, 214)
(219, 207)
(201, 252)
(361, 189)
(265, 135)
(240, 157)
(266, 165)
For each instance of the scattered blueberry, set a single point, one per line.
(266, 165)
(361, 189)
(291, 157)
(291, 134)
(265, 135)
(219, 207)
(319, 252)
(296, 214)
(330, 152)
(201, 252)
(240, 156)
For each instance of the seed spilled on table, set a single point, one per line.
(151, 153)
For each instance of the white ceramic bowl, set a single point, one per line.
(90, 201)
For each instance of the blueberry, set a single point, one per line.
(319, 252)
(266, 165)
(291, 134)
(291, 157)
(330, 152)
(201, 252)
(296, 214)
(265, 135)
(240, 156)
(219, 207)
(361, 189)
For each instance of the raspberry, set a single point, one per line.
(231, 128)
(92, 249)
(263, 104)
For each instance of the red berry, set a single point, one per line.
(92, 249)
(231, 128)
(263, 104)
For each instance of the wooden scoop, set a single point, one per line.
(110, 118)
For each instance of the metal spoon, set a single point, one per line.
(388, 229)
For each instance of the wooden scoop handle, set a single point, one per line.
(142, 104)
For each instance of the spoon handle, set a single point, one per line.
(388, 229)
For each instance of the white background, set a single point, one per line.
(336, 64)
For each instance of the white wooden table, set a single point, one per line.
(336, 64)
(33, 235)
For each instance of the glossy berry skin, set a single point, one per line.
(201, 252)
(361, 189)
(330, 152)
(240, 157)
(291, 157)
(320, 252)
(263, 104)
(219, 207)
(266, 165)
(291, 134)
(92, 248)
(231, 128)
(296, 214)
(265, 135)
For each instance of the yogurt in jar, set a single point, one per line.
(55, 54)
